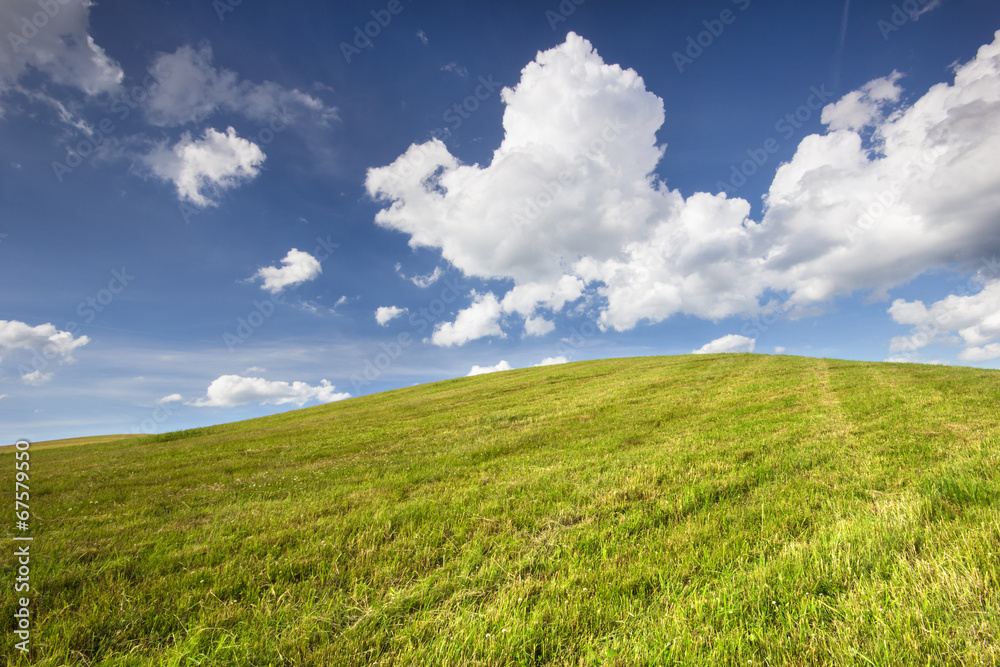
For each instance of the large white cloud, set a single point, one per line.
(571, 123)
(296, 268)
(730, 343)
(201, 169)
(56, 43)
(191, 89)
(36, 350)
(887, 193)
(845, 216)
(233, 390)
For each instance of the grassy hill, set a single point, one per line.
(717, 510)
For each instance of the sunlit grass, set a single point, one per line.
(717, 510)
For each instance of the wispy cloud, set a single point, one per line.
(455, 68)
(193, 89)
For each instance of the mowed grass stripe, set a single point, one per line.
(715, 509)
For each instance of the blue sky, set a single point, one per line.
(211, 211)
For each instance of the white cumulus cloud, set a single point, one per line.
(480, 370)
(730, 343)
(479, 320)
(974, 318)
(385, 314)
(35, 351)
(201, 169)
(233, 390)
(570, 205)
(296, 268)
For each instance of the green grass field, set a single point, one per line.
(692, 510)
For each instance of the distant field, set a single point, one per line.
(72, 442)
(692, 510)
